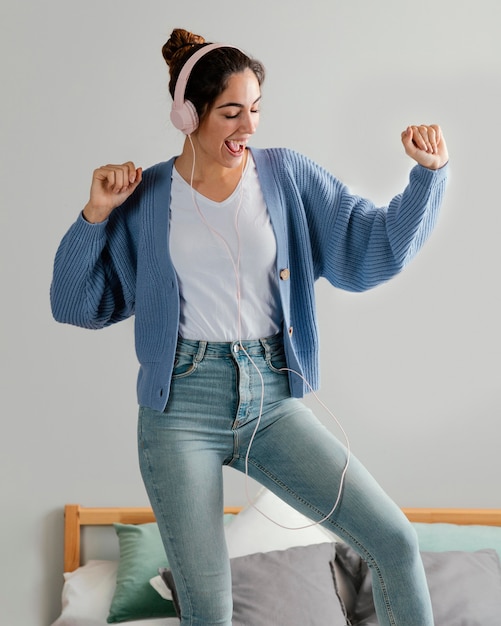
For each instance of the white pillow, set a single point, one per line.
(250, 532)
(87, 594)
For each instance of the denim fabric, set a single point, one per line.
(209, 421)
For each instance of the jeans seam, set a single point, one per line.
(159, 504)
(367, 555)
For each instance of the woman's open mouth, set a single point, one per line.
(236, 148)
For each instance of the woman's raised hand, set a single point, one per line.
(426, 145)
(111, 186)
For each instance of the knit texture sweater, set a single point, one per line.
(106, 272)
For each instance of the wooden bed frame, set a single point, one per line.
(76, 516)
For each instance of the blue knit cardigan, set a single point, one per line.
(106, 272)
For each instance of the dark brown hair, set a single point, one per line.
(210, 75)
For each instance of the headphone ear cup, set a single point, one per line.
(183, 114)
(185, 117)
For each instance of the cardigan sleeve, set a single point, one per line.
(357, 245)
(93, 284)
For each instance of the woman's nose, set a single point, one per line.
(249, 122)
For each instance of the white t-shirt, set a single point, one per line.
(209, 278)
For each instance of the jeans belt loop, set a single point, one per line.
(202, 347)
(267, 349)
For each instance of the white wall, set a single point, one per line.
(412, 369)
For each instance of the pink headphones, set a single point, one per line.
(183, 114)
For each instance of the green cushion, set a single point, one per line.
(447, 537)
(141, 555)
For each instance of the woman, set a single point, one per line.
(215, 253)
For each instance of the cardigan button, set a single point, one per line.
(285, 274)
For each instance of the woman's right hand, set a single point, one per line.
(111, 186)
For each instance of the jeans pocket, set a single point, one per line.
(184, 365)
(276, 362)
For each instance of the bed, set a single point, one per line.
(280, 577)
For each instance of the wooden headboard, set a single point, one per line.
(76, 516)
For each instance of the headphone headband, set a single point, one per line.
(183, 114)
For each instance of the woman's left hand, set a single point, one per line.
(426, 145)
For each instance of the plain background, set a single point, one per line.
(412, 369)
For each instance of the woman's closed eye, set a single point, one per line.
(232, 117)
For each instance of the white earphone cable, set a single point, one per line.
(236, 268)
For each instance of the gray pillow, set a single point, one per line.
(465, 587)
(293, 587)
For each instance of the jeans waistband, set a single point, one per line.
(226, 348)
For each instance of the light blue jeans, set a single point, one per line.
(208, 422)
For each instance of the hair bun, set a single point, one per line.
(178, 44)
